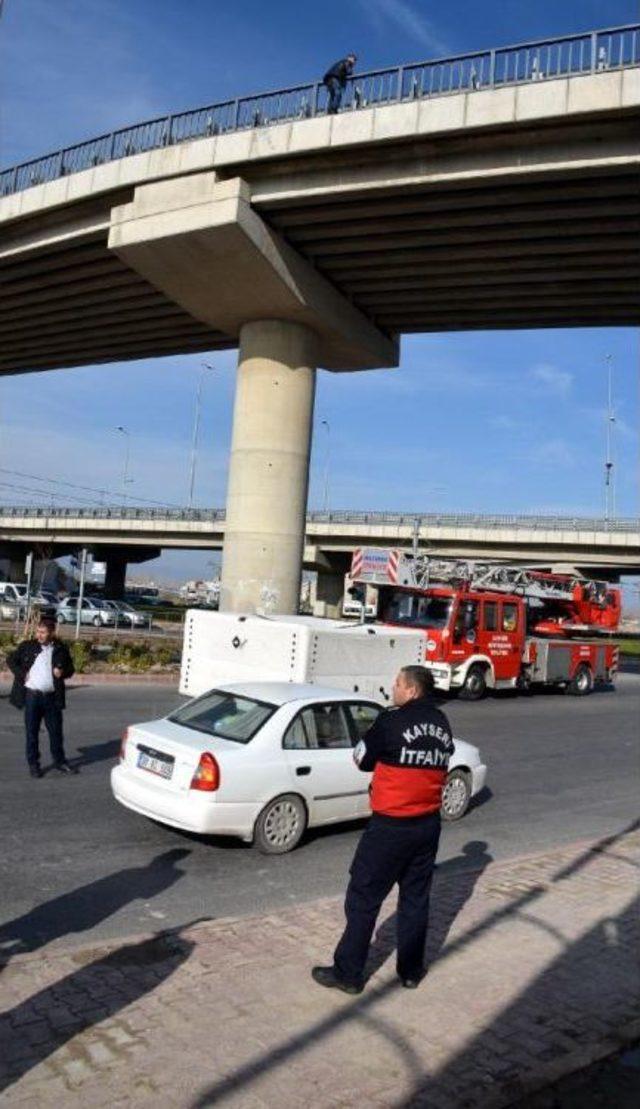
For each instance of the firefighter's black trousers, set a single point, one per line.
(391, 850)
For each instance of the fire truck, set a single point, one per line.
(496, 626)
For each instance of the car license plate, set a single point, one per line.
(156, 763)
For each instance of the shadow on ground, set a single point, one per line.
(82, 909)
(558, 1004)
(97, 991)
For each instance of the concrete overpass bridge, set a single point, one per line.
(493, 190)
(119, 535)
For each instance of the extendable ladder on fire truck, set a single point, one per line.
(421, 571)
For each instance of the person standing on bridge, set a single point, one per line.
(408, 750)
(40, 667)
(335, 80)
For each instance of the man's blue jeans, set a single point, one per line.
(39, 707)
(335, 95)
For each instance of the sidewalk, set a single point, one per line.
(533, 975)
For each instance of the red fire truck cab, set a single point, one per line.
(498, 627)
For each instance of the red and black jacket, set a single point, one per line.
(408, 750)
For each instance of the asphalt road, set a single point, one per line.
(76, 866)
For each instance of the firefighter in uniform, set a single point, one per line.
(408, 749)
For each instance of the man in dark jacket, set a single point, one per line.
(39, 667)
(336, 81)
(408, 750)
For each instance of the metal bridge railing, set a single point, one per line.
(591, 52)
(393, 519)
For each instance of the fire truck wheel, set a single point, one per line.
(456, 795)
(582, 682)
(281, 825)
(523, 683)
(475, 684)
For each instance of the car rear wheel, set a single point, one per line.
(582, 682)
(281, 825)
(456, 795)
(96, 621)
(475, 684)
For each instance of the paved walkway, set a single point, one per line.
(533, 974)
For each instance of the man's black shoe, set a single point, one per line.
(64, 768)
(413, 982)
(326, 976)
(35, 771)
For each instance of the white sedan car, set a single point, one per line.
(263, 761)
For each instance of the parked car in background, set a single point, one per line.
(263, 761)
(13, 601)
(93, 611)
(126, 616)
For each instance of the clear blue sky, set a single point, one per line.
(492, 422)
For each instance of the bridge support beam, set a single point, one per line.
(269, 468)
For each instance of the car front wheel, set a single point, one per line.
(281, 825)
(456, 795)
(60, 618)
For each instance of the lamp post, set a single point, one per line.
(609, 476)
(126, 480)
(325, 491)
(196, 430)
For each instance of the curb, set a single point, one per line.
(111, 679)
(105, 945)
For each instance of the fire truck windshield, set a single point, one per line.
(416, 611)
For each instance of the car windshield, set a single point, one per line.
(417, 611)
(225, 715)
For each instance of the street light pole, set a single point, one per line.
(196, 431)
(125, 472)
(325, 494)
(609, 477)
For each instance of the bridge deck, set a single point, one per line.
(503, 194)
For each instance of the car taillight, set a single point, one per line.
(207, 776)
(123, 744)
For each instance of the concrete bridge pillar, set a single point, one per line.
(199, 241)
(269, 468)
(16, 569)
(115, 577)
(329, 594)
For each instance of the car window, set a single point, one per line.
(363, 716)
(295, 737)
(70, 602)
(326, 727)
(225, 715)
